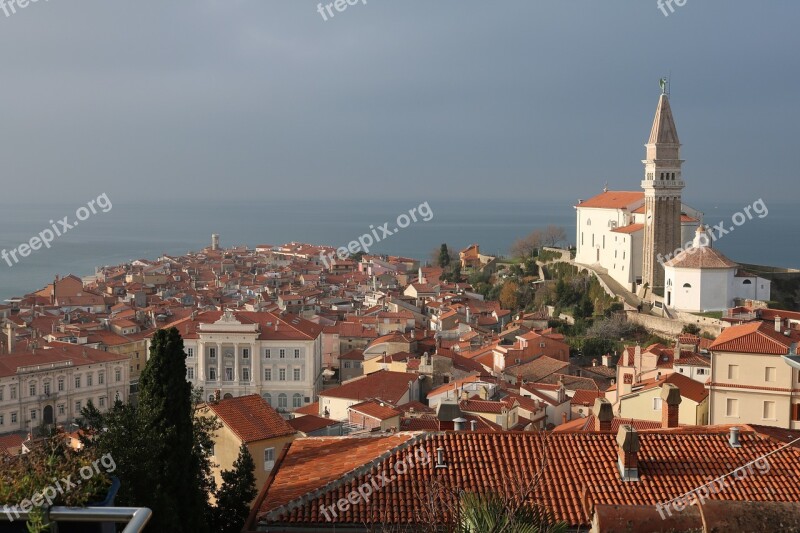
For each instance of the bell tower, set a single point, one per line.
(663, 185)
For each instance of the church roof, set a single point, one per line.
(701, 257)
(614, 200)
(664, 130)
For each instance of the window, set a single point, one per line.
(702, 371)
(61, 409)
(33, 414)
(212, 353)
(732, 407)
(769, 410)
(101, 377)
(2, 420)
(210, 397)
(13, 418)
(228, 374)
(687, 285)
(118, 375)
(282, 401)
(246, 374)
(89, 380)
(77, 382)
(212, 373)
(267, 353)
(297, 400)
(47, 388)
(296, 373)
(282, 354)
(356, 364)
(346, 365)
(246, 353)
(770, 374)
(269, 459)
(282, 374)
(190, 373)
(796, 412)
(267, 374)
(2, 389)
(13, 392)
(77, 407)
(32, 389)
(297, 354)
(733, 371)
(190, 352)
(102, 401)
(267, 397)
(61, 383)
(656, 404)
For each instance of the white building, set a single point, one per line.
(52, 383)
(701, 278)
(244, 352)
(616, 227)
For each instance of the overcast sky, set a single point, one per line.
(438, 99)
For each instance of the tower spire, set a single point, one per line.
(662, 186)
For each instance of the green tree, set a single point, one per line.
(234, 496)
(444, 256)
(491, 513)
(162, 451)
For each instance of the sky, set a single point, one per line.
(456, 99)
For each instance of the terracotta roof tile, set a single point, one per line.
(251, 418)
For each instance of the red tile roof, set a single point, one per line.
(578, 467)
(384, 385)
(310, 423)
(613, 199)
(375, 409)
(251, 418)
(755, 338)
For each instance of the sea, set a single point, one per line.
(129, 230)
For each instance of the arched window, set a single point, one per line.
(297, 400)
(669, 283)
(267, 397)
(588, 221)
(747, 282)
(687, 285)
(282, 401)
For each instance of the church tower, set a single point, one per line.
(662, 186)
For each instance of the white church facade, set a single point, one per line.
(634, 235)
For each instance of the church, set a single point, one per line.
(634, 235)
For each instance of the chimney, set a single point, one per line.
(473, 424)
(464, 395)
(606, 360)
(733, 439)
(778, 324)
(440, 460)
(603, 414)
(594, 362)
(458, 423)
(564, 417)
(628, 453)
(637, 358)
(11, 336)
(670, 401)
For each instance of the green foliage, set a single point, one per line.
(691, 329)
(444, 256)
(23, 477)
(163, 452)
(493, 514)
(234, 496)
(452, 274)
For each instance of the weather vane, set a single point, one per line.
(664, 84)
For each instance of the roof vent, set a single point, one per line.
(440, 462)
(473, 424)
(458, 424)
(733, 439)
